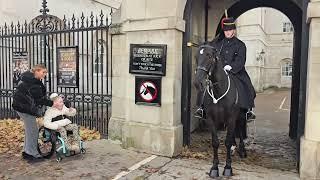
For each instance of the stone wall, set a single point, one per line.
(310, 142)
(152, 129)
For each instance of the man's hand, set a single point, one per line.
(227, 67)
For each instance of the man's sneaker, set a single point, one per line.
(199, 113)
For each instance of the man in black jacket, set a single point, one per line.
(233, 53)
(28, 99)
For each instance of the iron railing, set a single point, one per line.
(38, 41)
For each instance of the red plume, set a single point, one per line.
(222, 21)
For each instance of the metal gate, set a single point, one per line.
(37, 42)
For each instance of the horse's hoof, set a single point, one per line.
(227, 172)
(214, 173)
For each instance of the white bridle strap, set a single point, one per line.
(210, 92)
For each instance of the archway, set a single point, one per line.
(295, 13)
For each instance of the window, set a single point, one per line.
(99, 58)
(287, 27)
(287, 69)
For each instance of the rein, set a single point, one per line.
(210, 91)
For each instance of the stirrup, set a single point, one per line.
(198, 113)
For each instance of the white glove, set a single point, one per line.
(227, 67)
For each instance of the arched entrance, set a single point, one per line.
(296, 13)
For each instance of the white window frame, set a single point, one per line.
(287, 27)
(286, 69)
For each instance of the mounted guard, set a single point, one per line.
(233, 53)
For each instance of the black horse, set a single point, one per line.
(220, 103)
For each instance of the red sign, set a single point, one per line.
(148, 90)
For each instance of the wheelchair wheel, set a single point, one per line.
(46, 142)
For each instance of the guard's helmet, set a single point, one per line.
(228, 24)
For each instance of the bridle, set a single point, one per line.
(209, 84)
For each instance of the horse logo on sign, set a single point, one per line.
(148, 91)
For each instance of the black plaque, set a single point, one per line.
(68, 66)
(148, 91)
(148, 59)
(20, 65)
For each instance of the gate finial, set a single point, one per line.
(44, 9)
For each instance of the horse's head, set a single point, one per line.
(206, 61)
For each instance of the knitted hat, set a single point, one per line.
(54, 96)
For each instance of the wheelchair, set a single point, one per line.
(50, 142)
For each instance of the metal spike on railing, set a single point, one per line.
(92, 19)
(73, 21)
(78, 23)
(29, 28)
(82, 20)
(107, 20)
(44, 9)
(60, 25)
(87, 22)
(25, 26)
(111, 15)
(69, 24)
(32, 26)
(18, 26)
(13, 28)
(101, 18)
(64, 22)
(5, 28)
(97, 21)
(56, 21)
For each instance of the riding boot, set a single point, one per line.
(199, 112)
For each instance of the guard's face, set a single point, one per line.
(40, 74)
(230, 33)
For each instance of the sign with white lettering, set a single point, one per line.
(148, 59)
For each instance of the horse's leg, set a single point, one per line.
(214, 171)
(228, 143)
(242, 130)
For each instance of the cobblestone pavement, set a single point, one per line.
(272, 156)
(105, 160)
(102, 160)
(270, 145)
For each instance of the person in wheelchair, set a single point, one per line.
(56, 118)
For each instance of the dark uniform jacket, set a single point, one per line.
(30, 95)
(233, 53)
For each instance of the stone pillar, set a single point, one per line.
(156, 130)
(310, 142)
